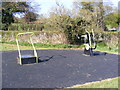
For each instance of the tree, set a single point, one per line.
(94, 10)
(112, 20)
(30, 16)
(100, 15)
(87, 15)
(87, 6)
(59, 17)
(8, 10)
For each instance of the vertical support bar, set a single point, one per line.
(94, 39)
(18, 50)
(89, 38)
(35, 52)
(1, 46)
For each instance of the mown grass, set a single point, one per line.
(110, 84)
(7, 47)
(25, 46)
(105, 48)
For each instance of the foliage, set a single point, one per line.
(30, 16)
(107, 41)
(74, 23)
(60, 20)
(111, 40)
(112, 20)
(87, 6)
(26, 27)
(9, 8)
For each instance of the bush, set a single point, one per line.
(109, 38)
(26, 27)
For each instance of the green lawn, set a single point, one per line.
(108, 83)
(106, 49)
(27, 46)
(7, 47)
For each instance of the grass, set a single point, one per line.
(26, 46)
(108, 83)
(7, 47)
(104, 48)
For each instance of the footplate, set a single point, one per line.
(27, 59)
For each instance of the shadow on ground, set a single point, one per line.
(57, 69)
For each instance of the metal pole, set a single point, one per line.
(35, 53)
(18, 50)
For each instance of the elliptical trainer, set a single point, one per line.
(89, 43)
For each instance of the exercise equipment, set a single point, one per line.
(25, 59)
(89, 43)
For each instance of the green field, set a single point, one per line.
(26, 46)
(108, 83)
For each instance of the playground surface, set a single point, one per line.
(57, 69)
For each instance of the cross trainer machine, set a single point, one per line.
(89, 43)
(25, 59)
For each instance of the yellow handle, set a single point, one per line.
(31, 34)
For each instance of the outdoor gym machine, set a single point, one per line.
(27, 58)
(89, 43)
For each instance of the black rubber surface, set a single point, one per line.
(57, 69)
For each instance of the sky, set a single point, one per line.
(46, 5)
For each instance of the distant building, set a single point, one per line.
(112, 29)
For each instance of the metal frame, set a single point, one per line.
(35, 52)
(89, 46)
(89, 38)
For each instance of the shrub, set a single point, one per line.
(26, 27)
(110, 39)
